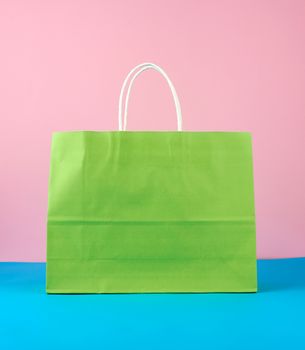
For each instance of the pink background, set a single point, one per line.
(236, 65)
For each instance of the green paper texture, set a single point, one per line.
(151, 212)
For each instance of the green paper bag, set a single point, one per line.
(151, 212)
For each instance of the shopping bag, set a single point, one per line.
(151, 212)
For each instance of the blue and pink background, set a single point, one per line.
(237, 66)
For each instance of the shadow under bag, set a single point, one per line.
(141, 212)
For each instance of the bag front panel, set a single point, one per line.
(176, 208)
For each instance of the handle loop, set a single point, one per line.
(144, 67)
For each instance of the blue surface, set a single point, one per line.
(272, 318)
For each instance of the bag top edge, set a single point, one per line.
(149, 132)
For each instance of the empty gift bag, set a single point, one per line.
(150, 212)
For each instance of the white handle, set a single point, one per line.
(145, 66)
